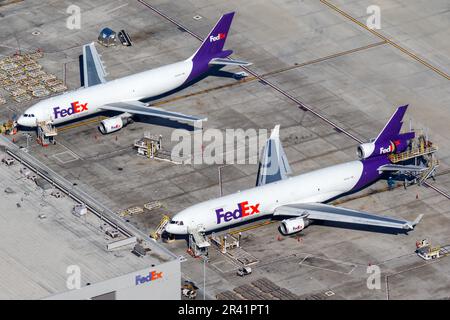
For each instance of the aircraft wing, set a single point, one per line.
(93, 69)
(320, 211)
(401, 168)
(137, 107)
(273, 165)
(229, 62)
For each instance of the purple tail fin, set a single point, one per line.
(212, 46)
(392, 129)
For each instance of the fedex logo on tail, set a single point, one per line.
(389, 149)
(75, 107)
(220, 36)
(243, 210)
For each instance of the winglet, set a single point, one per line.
(273, 165)
(275, 132)
(415, 222)
(93, 69)
(410, 226)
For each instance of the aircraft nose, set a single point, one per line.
(170, 229)
(21, 121)
(174, 229)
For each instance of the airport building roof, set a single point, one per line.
(41, 238)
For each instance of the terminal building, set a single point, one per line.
(48, 252)
(161, 282)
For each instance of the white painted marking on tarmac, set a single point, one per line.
(60, 157)
(117, 8)
(326, 269)
(79, 157)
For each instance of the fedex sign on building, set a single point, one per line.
(151, 276)
(75, 107)
(243, 210)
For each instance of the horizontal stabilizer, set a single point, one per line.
(229, 62)
(325, 212)
(137, 107)
(401, 168)
(93, 69)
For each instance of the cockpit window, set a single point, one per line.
(28, 115)
(178, 223)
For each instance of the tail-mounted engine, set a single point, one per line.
(378, 148)
(371, 149)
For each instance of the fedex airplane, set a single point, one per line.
(300, 199)
(125, 94)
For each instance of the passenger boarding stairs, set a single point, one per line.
(161, 226)
(430, 172)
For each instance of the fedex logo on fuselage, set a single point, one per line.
(243, 210)
(389, 149)
(152, 276)
(75, 107)
(220, 36)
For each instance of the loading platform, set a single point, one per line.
(150, 146)
(411, 154)
(422, 151)
(198, 245)
(46, 133)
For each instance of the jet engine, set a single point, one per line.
(112, 124)
(365, 150)
(293, 225)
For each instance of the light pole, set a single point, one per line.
(220, 178)
(204, 276)
(28, 136)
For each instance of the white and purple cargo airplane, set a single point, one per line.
(125, 94)
(300, 199)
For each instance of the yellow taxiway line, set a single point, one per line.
(81, 123)
(254, 226)
(388, 41)
(271, 73)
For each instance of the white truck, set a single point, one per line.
(244, 271)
